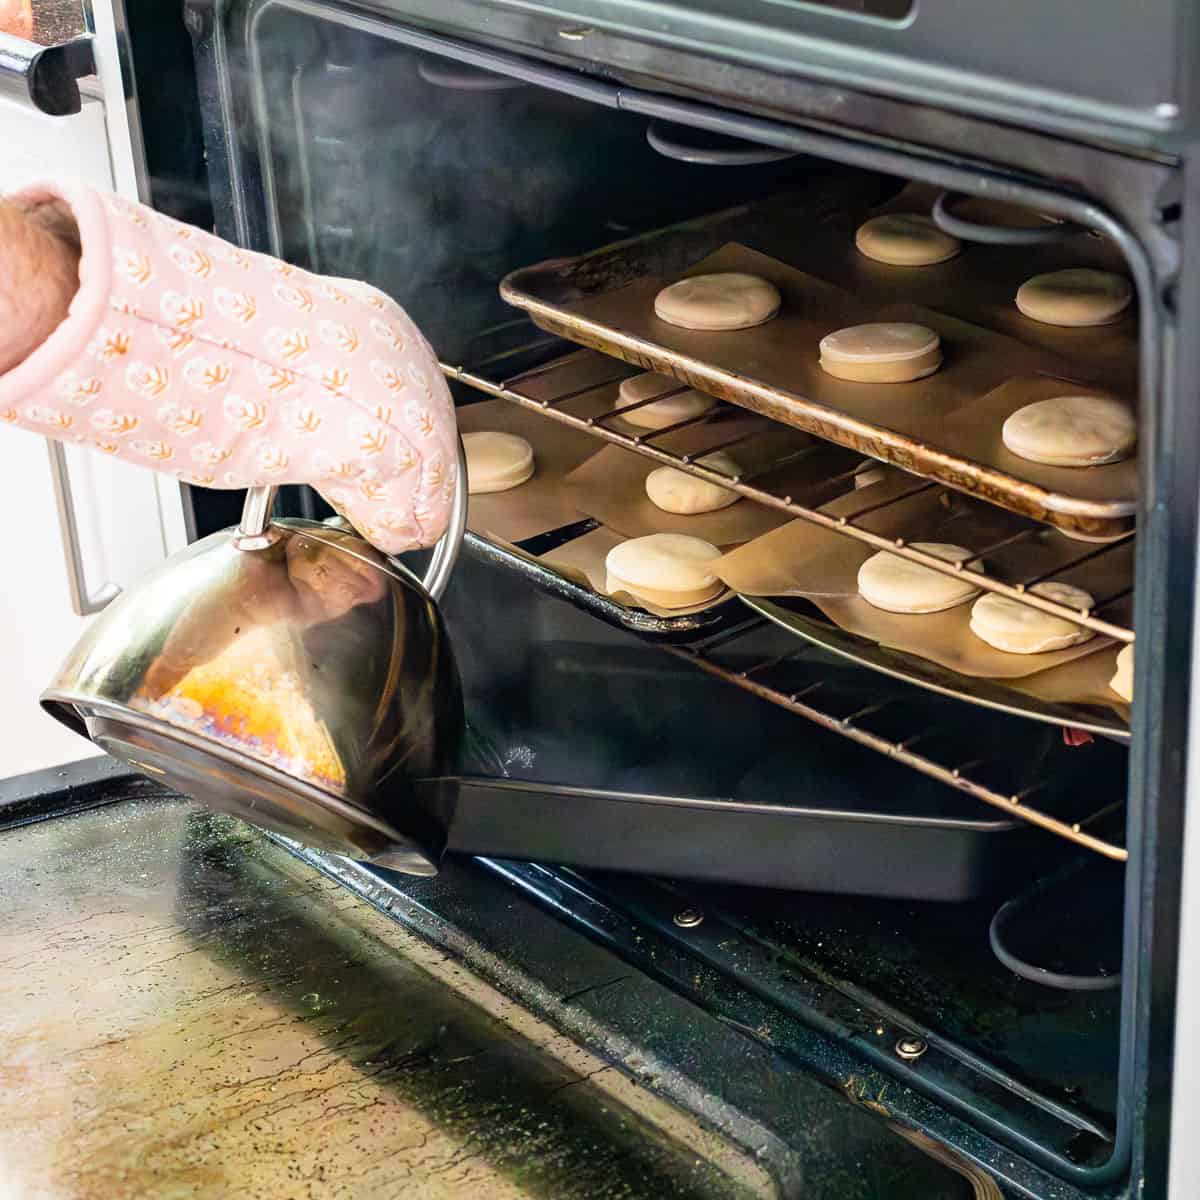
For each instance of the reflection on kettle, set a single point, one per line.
(288, 673)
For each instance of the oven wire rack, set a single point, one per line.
(816, 700)
(644, 443)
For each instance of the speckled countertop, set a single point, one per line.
(188, 1011)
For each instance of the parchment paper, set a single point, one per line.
(542, 502)
(611, 486)
(1084, 681)
(980, 421)
(980, 285)
(801, 559)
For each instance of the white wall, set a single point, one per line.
(128, 517)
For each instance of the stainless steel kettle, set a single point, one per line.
(288, 673)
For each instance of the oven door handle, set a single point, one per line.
(45, 77)
(83, 601)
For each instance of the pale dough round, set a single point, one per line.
(730, 300)
(897, 585)
(1016, 628)
(1075, 297)
(496, 461)
(1122, 681)
(881, 352)
(668, 569)
(905, 240)
(1072, 431)
(678, 492)
(681, 406)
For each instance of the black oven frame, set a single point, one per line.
(1135, 182)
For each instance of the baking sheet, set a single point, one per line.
(1082, 704)
(773, 368)
(801, 559)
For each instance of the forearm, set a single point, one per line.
(39, 274)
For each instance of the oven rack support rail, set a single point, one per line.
(644, 444)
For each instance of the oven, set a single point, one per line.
(954, 897)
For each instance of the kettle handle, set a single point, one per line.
(255, 532)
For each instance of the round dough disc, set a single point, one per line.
(496, 461)
(897, 585)
(1016, 628)
(1072, 431)
(730, 300)
(678, 492)
(681, 406)
(1122, 681)
(668, 569)
(1075, 297)
(881, 352)
(905, 240)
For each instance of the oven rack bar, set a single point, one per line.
(644, 444)
(806, 701)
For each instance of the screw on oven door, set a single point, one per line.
(688, 918)
(911, 1048)
(576, 33)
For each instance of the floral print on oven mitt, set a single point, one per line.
(231, 369)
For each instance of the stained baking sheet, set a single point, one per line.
(773, 369)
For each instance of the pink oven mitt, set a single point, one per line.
(231, 369)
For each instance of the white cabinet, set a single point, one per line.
(127, 519)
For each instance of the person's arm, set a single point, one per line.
(39, 275)
(161, 344)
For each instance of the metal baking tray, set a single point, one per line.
(801, 618)
(604, 300)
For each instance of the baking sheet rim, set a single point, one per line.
(765, 607)
(660, 359)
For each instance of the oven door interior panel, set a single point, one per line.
(340, 142)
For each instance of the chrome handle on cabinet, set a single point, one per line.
(46, 77)
(85, 603)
